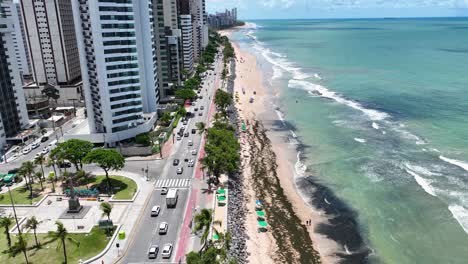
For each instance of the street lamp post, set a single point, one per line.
(14, 210)
(160, 148)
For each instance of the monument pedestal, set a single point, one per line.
(74, 206)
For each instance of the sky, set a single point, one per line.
(284, 9)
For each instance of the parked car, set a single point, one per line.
(44, 139)
(45, 151)
(163, 228)
(175, 162)
(65, 164)
(14, 171)
(153, 252)
(167, 250)
(155, 210)
(35, 145)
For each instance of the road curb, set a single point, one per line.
(105, 250)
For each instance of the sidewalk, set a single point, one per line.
(129, 219)
(167, 147)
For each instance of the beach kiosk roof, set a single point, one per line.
(215, 236)
(260, 213)
(221, 198)
(221, 191)
(262, 223)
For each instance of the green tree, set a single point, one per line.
(223, 100)
(22, 245)
(6, 222)
(165, 118)
(182, 111)
(27, 169)
(40, 160)
(61, 234)
(184, 73)
(192, 83)
(203, 223)
(73, 150)
(52, 163)
(186, 94)
(38, 175)
(106, 209)
(201, 126)
(32, 223)
(51, 178)
(51, 93)
(107, 159)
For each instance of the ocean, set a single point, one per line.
(378, 110)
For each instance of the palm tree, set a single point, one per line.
(27, 169)
(106, 209)
(203, 222)
(32, 223)
(62, 235)
(38, 175)
(6, 222)
(52, 163)
(200, 127)
(22, 244)
(40, 160)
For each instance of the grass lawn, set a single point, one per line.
(123, 188)
(90, 245)
(21, 195)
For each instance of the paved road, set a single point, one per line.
(146, 235)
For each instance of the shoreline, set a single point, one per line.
(248, 76)
(334, 229)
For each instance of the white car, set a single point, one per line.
(163, 228)
(35, 145)
(153, 252)
(191, 163)
(45, 151)
(180, 170)
(155, 210)
(37, 155)
(179, 137)
(194, 152)
(190, 142)
(167, 250)
(26, 150)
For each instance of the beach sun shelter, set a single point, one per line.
(221, 191)
(260, 213)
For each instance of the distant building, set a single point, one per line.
(12, 11)
(199, 27)
(118, 62)
(13, 112)
(223, 20)
(52, 47)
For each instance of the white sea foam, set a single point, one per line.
(460, 213)
(300, 168)
(277, 73)
(424, 183)
(316, 76)
(325, 199)
(455, 162)
(280, 115)
(360, 140)
(375, 125)
(419, 169)
(374, 115)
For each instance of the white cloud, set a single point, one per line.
(278, 3)
(388, 3)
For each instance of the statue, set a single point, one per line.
(74, 206)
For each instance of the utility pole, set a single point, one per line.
(74, 107)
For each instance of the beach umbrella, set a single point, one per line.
(259, 203)
(262, 223)
(260, 213)
(221, 198)
(221, 191)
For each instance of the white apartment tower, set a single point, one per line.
(200, 27)
(118, 63)
(185, 24)
(12, 11)
(13, 113)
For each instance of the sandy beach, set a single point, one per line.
(262, 246)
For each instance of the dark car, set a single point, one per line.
(194, 131)
(13, 171)
(65, 164)
(186, 134)
(175, 162)
(44, 139)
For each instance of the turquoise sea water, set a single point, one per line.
(381, 108)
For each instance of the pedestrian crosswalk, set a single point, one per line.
(173, 183)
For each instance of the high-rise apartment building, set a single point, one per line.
(51, 43)
(167, 42)
(118, 63)
(200, 27)
(185, 24)
(13, 113)
(12, 11)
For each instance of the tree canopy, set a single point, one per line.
(73, 150)
(223, 99)
(186, 94)
(192, 83)
(107, 159)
